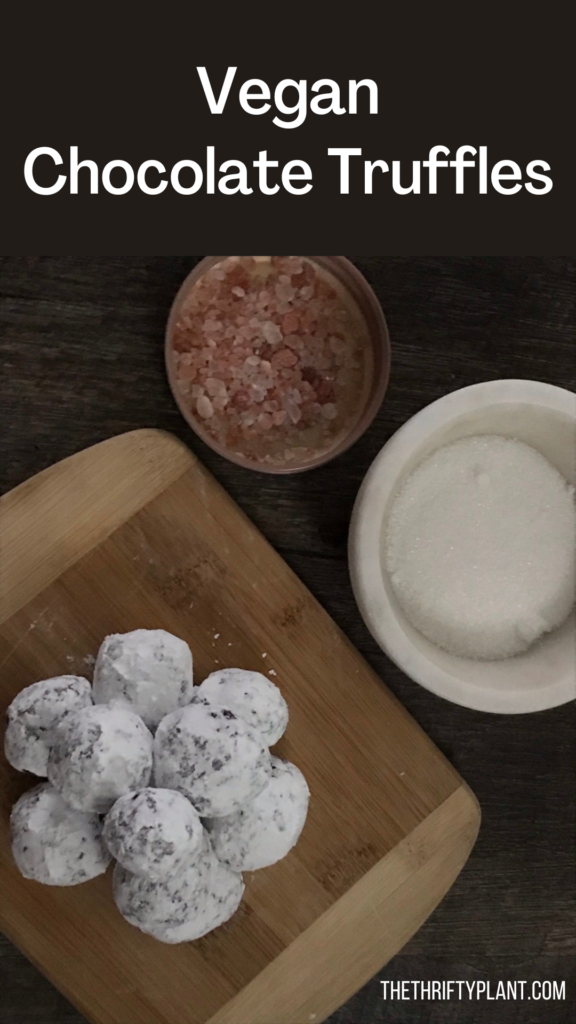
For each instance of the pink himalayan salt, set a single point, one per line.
(284, 358)
(329, 411)
(271, 332)
(204, 407)
(269, 350)
(289, 323)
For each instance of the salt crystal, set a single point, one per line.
(284, 291)
(214, 386)
(294, 341)
(257, 393)
(337, 345)
(238, 291)
(292, 410)
(294, 265)
(480, 547)
(204, 407)
(271, 332)
(290, 323)
(329, 411)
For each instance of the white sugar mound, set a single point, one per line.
(480, 547)
(54, 844)
(33, 716)
(100, 753)
(264, 831)
(253, 697)
(147, 670)
(153, 832)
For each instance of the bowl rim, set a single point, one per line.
(364, 538)
(364, 421)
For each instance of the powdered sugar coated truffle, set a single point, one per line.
(100, 753)
(265, 830)
(214, 758)
(153, 832)
(251, 696)
(33, 716)
(184, 906)
(223, 897)
(147, 670)
(53, 843)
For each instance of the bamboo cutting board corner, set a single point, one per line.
(135, 533)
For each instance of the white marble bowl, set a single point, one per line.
(544, 417)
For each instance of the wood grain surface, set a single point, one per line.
(82, 352)
(136, 533)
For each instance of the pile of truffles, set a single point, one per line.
(174, 781)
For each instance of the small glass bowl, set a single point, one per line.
(358, 288)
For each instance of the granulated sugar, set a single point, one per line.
(480, 547)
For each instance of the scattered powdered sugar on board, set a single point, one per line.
(480, 549)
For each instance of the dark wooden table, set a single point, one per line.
(82, 360)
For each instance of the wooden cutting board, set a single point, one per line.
(136, 533)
